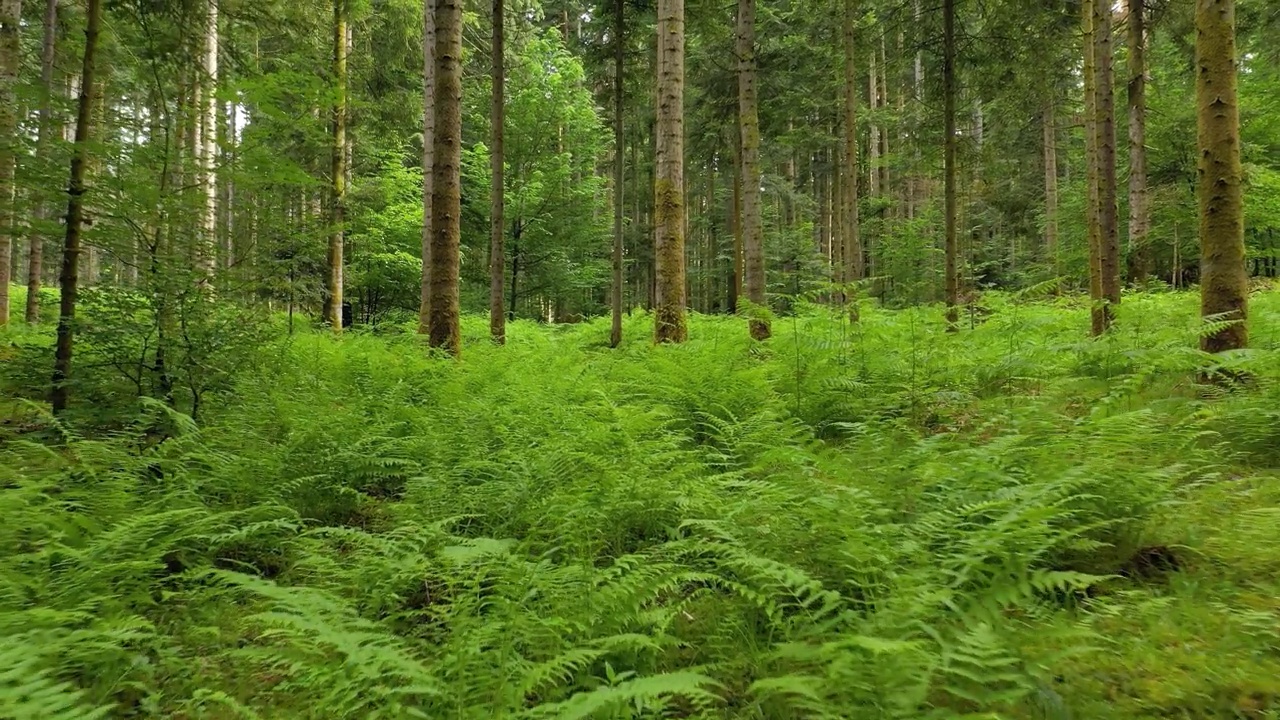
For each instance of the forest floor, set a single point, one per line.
(871, 520)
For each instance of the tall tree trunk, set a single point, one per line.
(916, 184)
(749, 126)
(1108, 216)
(837, 217)
(446, 196)
(35, 253)
(1093, 224)
(823, 181)
(851, 240)
(497, 264)
(208, 145)
(619, 167)
(428, 152)
(709, 248)
(949, 161)
(338, 171)
(668, 187)
(1224, 284)
(1139, 202)
(10, 59)
(883, 102)
(735, 285)
(1050, 147)
(229, 259)
(76, 190)
(873, 143)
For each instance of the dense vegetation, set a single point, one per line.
(871, 520)
(842, 359)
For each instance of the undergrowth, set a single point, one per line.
(872, 520)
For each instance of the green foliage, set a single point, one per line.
(879, 519)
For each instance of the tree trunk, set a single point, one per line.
(35, 253)
(822, 182)
(497, 264)
(1224, 284)
(837, 217)
(10, 59)
(338, 170)
(873, 143)
(915, 183)
(207, 148)
(446, 193)
(668, 187)
(76, 190)
(619, 167)
(1093, 233)
(949, 161)
(749, 125)
(1139, 202)
(1108, 217)
(229, 259)
(851, 240)
(735, 285)
(1050, 147)
(428, 152)
(883, 102)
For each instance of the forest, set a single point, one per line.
(571, 359)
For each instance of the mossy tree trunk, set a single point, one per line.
(1224, 283)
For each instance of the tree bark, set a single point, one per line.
(338, 168)
(851, 240)
(10, 59)
(1050, 147)
(873, 143)
(735, 285)
(1108, 217)
(76, 190)
(1139, 199)
(619, 167)
(668, 189)
(428, 152)
(207, 148)
(822, 182)
(1093, 233)
(883, 102)
(749, 126)
(949, 162)
(497, 264)
(446, 193)
(35, 253)
(1224, 284)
